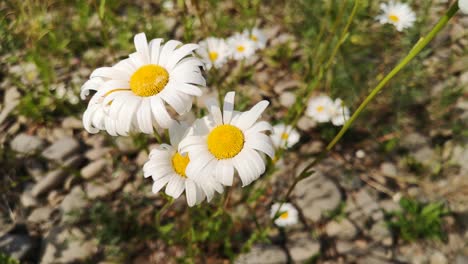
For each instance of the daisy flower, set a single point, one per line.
(137, 89)
(284, 136)
(257, 36)
(214, 52)
(226, 141)
(320, 108)
(463, 5)
(398, 14)
(95, 117)
(287, 215)
(340, 113)
(242, 47)
(167, 168)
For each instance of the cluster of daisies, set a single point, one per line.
(215, 52)
(323, 109)
(143, 92)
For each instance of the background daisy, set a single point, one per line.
(167, 168)
(320, 108)
(287, 215)
(398, 14)
(257, 36)
(284, 136)
(340, 113)
(136, 89)
(241, 46)
(214, 52)
(226, 141)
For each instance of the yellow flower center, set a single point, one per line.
(213, 55)
(240, 48)
(149, 80)
(179, 163)
(225, 141)
(284, 136)
(393, 18)
(320, 108)
(284, 215)
(254, 38)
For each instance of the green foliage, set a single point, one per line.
(418, 221)
(5, 259)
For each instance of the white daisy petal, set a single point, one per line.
(141, 45)
(160, 113)
(154, 48)
(247, 119)
(167, 50)
(180, 53)
(228, 107)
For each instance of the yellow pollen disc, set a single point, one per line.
(284, 215)
(213, 55)
(320, 108)
(149, 80)
(179, 163)
(284, 136)
(254, 38)
(225, 141)
(393, 18)
(240, 48)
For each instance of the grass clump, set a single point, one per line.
(418, 220)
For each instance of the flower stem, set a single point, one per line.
(418, 47)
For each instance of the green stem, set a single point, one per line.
(420, 45)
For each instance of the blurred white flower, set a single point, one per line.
(463, 5)
(136, 89)
(340, 113)
(398, 14)
(225, 141)
(167, 168)
(241, 46)
(287, 215)
(284, 136)
(214, 52)
(257, 36)
(320, 108)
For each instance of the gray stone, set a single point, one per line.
(281, 86)
(438, 258)
(316, 195)
(26, 144)
(93, 168)
(379, 231)
(362, 206)
(39, 215)
(26, 198)
(461, 259)
(18, 246)
(72, 123)
(342, 229)
(424, 155)
(54, 178)
(126, 145)
(305, 123)
(10, 101)
(61, 149)
(287, 99)
(67, 246)
(389, 205)
(100, 189)
(414, 140)
(97, 153)
(302, 247)
(268, 254)
(75, 200)
(388, 169)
